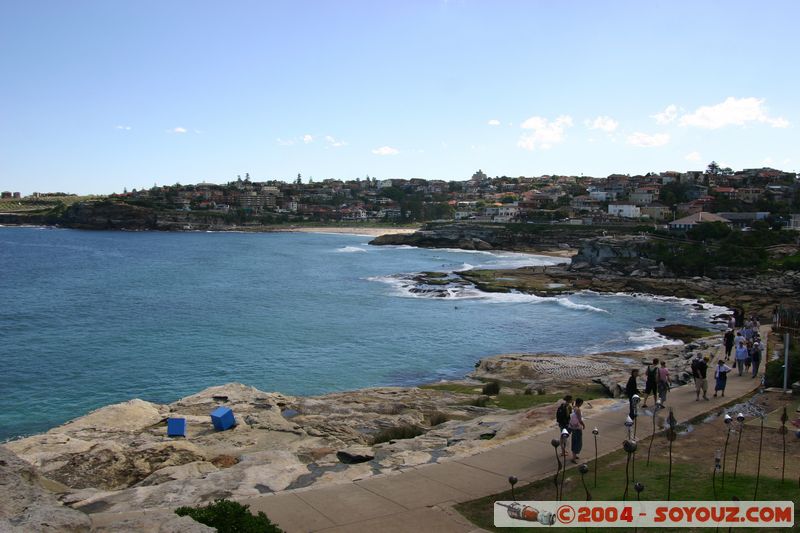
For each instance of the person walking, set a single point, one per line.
(741, 355)
(651, 381)
(728, 340)
(632, 389)
(576, 427)
(699, 370)
(663, 382)
(721, 377)
(755, 356)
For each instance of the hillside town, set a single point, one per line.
(679, 199)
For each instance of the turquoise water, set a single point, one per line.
(92, 318)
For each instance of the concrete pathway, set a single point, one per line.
(420, 499)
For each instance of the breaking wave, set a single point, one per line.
(351, 249)
(645, 338)
(405, 287)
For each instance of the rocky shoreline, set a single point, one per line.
(119, 457)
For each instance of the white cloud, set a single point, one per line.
(308, 138)
(643, 139)
(733, 111)
(179, 130)
(386, 150)
(779, 122)
(768, 161)
(667, 116)
(125, 128)
(544, 134)
(693, 156)
(494, 122)
(333, 142)
(285, 142)
(604, 123)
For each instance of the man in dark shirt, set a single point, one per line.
(699, 369)
(632, 389)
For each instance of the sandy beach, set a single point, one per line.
(353, 230)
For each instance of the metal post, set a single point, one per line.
(556, 443)
(758, 470)
(671, 435)
(728, 424)
(786, 362)
(595, 431)
(783, 430)
(740, 419)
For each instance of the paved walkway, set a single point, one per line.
(420, 499)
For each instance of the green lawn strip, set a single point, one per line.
(519, 400)
(459, 388)
(526, 401)
(692, 482)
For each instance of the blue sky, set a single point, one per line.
(96, 96)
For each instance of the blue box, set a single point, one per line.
(222, 418)
(176, 427)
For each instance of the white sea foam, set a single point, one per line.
(351, 249)
(403, 286)
(644, 338)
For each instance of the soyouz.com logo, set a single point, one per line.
(605, 514)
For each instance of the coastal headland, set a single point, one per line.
(119, 458)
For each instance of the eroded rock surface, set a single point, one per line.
(26, 505)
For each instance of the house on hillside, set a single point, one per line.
(624, 210)
(685, 223)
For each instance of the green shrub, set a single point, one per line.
(230, 517)
(774, 371)
(397, 433)
(491, 389)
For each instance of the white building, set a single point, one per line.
(624, 210)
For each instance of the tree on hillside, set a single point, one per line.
(673, 193)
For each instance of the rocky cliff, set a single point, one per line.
(474, 236)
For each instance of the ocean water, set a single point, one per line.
(92, 318)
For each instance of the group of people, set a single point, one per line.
(569, 418)
(748, 348)
(658, 382)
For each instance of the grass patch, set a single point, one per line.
(521, 400)
(526, 401)
(774, 369)
(397, 433)
(453, 387)
(689, 482)
(683, 332)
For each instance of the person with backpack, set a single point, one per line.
(650, 381)
(699, 371)
(563, 413)
(663, 382)
(576, 427)
(728, 340)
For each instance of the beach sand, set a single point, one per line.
(353, 230)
